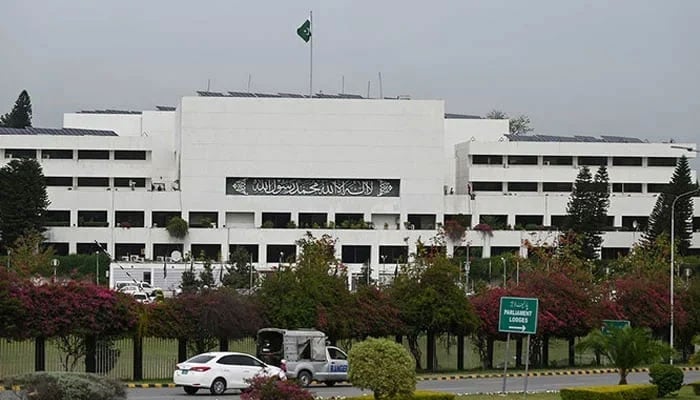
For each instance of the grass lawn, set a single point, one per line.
(686, 393)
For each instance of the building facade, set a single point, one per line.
(378, 175)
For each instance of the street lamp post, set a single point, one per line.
(504, 271)
(54, 264)
(673, 246)
(97, 267)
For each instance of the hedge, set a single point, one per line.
(417, 395)
(616, 392)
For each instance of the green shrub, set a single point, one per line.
(668, 378)
(417, 395)
(696, 387)
(383, 366)
(177, 227)
(616, 392)
(69, 386)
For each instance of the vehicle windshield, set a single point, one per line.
(200, 359)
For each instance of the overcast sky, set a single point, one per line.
(623, 67)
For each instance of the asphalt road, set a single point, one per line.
(486, 385)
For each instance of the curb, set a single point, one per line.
(149, 385)
(539, 373)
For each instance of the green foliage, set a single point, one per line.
(69, 386)
(696, 387)
(587, 210)
(418, 395)
(313, 293)
(668, 378)
(23, 201)
(206, 277)
(177, 227)
(383, 366)
(28, 257)
(620, 392)
(660, 218)
(239, 270)
(21, 114)
(695, 358)
(82, 266)
(519, 125)
(627, 348)
(188, 281)
(271, 388)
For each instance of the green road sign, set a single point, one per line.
(614, 324)
(518, 315)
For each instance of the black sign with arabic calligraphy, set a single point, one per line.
(343, 187)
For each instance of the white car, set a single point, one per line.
(220, 371)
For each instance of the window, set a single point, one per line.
(558, 221)
(462, 219)
(129, 219)
(557, 186)
(129, 155)
(421, 221)
(92, 219)
(661, 161)
(20, 153)
(529, 222)
(478, 159)
(522, 160)
(393, 254)
(239, 359)
(627, 188)
(161, 218)
(166, 249)
(636, 223)
(522, 186)
(204, 219)
(487, 186)
(627, 161)
(57, 154)
(59, 181)
(93, 155)
(657, 187)
(593, 161)
(202, 359)
(127, 182)
(336, 354)
(147, 277)
(281, 253)
(499, 250)
(57, 218)
(89, 248)
(93, 182)
(276, 220)
(204, 252)
(251, 249)
(122, 250)
(696, 224)
(356, 254)
(497, 222)
(59, 249)
(312, 220)
(612, 253)
(348, 221)
(557, 160)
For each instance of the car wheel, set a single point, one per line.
(329, 383)
(304, 378)
(218, 387)
(190, 389)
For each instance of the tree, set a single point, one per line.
(239, 271)
(660, 218)
(29, 258)
(627, 348)
(587, 210)
(21, 114)
(177, 227)
(519, 125)
(372, 313)
(23, 200)
(382, 366)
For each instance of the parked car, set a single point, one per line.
(130, 289)
(303, 354)
(140, 287)
(142, 297)
(221, 371)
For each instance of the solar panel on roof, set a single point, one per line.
(266, 95)
(165, 108)
(292, 95)
(241, 94)
(350, 96)
(210, 94)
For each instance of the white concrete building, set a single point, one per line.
(259, 172)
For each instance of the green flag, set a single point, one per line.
(304, 31)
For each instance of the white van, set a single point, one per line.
(142, 286)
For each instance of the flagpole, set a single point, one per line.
(311, 56)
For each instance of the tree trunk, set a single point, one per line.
(223, 344)
(623, 376)
(398, 339)
(181, 350)
(518, 352)
(430, 347)
(460, 352)
(39, 354)
(489, 353)
(415, 350)
(572, 353)
(545, 352)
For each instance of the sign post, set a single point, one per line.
(609, 324)
(517, 315)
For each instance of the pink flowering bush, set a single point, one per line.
(271, 388)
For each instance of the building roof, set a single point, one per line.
(204, 93)
(109, 112)
(56, 132)
(461, 116)
(576, 138)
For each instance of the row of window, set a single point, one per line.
(67, 154)
(494, 159)
(626, 187)
(69, 181)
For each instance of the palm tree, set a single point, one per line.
(626, 348)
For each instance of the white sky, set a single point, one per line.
(623, 67)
